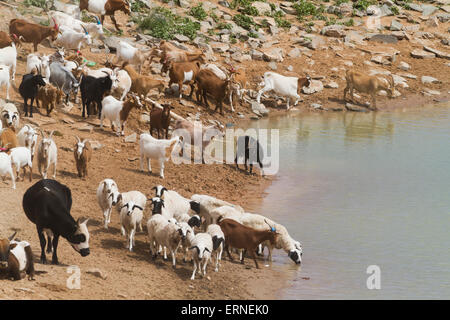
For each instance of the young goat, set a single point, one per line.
(8, 139)
(4, 78)
(47, 155)
(160, 119)
(8, 57)
(241, 237)
(141, 84)
(183, 72)
(27, 137)
(107, 197)
(82, 155)
(16, 258)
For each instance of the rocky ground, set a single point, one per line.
(409, 41)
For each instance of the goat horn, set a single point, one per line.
(12, 236)
(78, 139)
(84, 29)
(51, 134)
(42, 133)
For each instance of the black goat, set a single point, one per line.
(93, 90)
(28, 89)
(251, 150)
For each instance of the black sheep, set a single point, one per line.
(93, 90)
(28, 89)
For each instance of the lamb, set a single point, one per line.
(82, 154)
(6, 168)
(218, 239)
(4, 78)
(27, 137)
(283, 86)
(131, 214)
(16, 258)
(21, 158)
(151, 148)
(202, 247)
(367, 84)
(47, 155)
(165, 233)
(10, 115)
(139, 199)
(208, 203)
(118, 111)
(8, 139)
(107, 197)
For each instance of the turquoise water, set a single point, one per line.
(364, 189)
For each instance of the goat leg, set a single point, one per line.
(113, 19)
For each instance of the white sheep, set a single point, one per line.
(6, 168)
(187, 242)
(166, 233)
(10, 115)
(202, 247)
(131, 215)
(107, 197)
(21, 158)
(137, 197)
(208, 204)
(218, 239)
(158, 149)
(178, 206)
(47, 155)
(284, 241)
(27, 137)
(4, 78)
(8, 57)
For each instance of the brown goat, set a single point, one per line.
(242, 237)
(82, 154)
(49, 96)
(160, 119)
(6, 40)
(111, 6)
(208, 83)
(365, 83)
(32, 32)
(183, 72)
(140, 84)
(8, 139)
(130, 103)
(10, 253)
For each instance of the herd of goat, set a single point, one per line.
(202, 226)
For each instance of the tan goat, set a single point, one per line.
(82, 154)
(49, 96)
(183, 72)
(140, 84)
(368, 84)
(8, 139)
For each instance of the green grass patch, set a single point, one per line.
(198, 12)
(244, 21)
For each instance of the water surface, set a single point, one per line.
(364, 189)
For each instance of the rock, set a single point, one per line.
(331, 85)
(386, 10)
(380, 60)
(415, 7)
(438, 53)
(219, 47)
(259, 109)
(446, 8)
(262, 7)
(384, 38)
(432, 22)
(98, 273)
(373, 10)
(400, 35)
(256, 55)
(310, 41)
(181, 38)
(294, 53)
(131, 138)
(70, 9)
(28, 290)
(421, 54)
(443, 17)
(67, 121)
(428, 10)
(185, 3)
(96, 145)
(287, 8)
(354, 108)
(314, 86)
(346, 9)
(316, 106)
(274, 54)
(396, 25)
(430, 92)
(354, 37)
(408, 75)
(404, 66)
(428, 79)
(290, 68)
(336, 31)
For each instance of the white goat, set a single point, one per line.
(208, 204)
(137, 198)
(71, 39)
(123, 83)
(6, 168)
(202, 247)
(159, 149)
(127, 53)
(36, 62)
(8, 57)
(66, 20)
(107, 197)
(47, 155)
(131, 215)
(218, 239)
(289, 87)
(111, 108)
(10, 115)
(27, 137)
(4, 78)
(21, 158)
